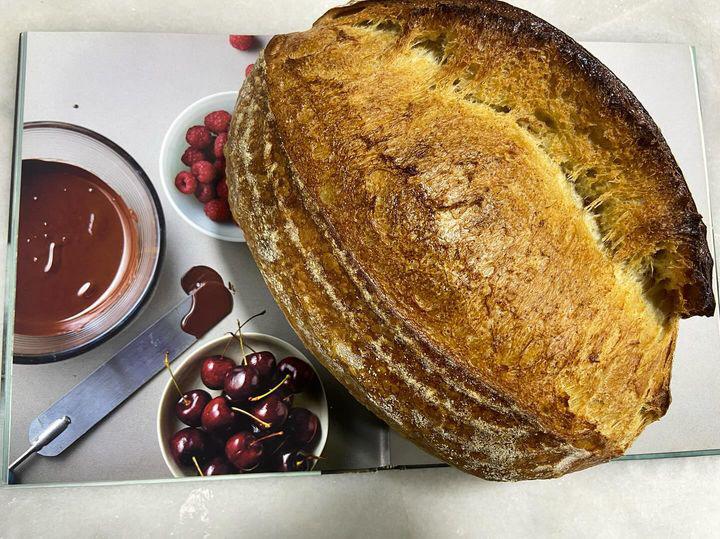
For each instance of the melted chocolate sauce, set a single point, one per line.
(211, 300)
(76, 248)
(197, 276)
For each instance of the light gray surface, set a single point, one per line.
(663, 498)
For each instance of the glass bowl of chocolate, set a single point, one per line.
(89, 241)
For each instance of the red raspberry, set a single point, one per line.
(241, 43)
(249, 69)
(204, 171)
(220, 141)
(222, 189)
(205, 192)
(218, 121)
(191, 155)
(185, 182)
(198, 137)
(218, 210)
(219, 165)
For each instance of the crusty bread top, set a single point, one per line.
(661, 238)
(419, 393)
(504, 195)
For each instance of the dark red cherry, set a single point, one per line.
(284, 390)
(243, 452)
(217, 417)
(272, 410)
(302, 428)
(289, 399)
(189, 407)
(241, 383)
(219, 466)
(293, 462)
(188, 443)
(264, 362)
(214, 370)
(300, 374)
(272, 445)
(279, 388)
(242, 422)
(217, 442)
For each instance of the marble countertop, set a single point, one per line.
(632, 498)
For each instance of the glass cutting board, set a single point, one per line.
(130, 87)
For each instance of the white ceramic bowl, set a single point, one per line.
(187, 374)
(172, 148)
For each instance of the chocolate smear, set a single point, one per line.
(198, 275)
(211, 300)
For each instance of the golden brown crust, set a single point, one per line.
(478, 430)
(460, 254)
(696, 297)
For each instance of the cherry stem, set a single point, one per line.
(227, 344)
(253, 316)
(259, 397)
(240, 326)
(280, 446)
(185, 400)
(237, 336)
(245, 412)
(242, 347)
(197, 467)
(267, 437)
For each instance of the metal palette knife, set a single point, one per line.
(108, 386)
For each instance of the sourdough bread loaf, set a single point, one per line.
(474, 225)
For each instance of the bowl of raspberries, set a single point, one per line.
(192, 166)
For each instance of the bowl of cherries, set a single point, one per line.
(243, 403)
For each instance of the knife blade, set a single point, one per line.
(114, 381)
